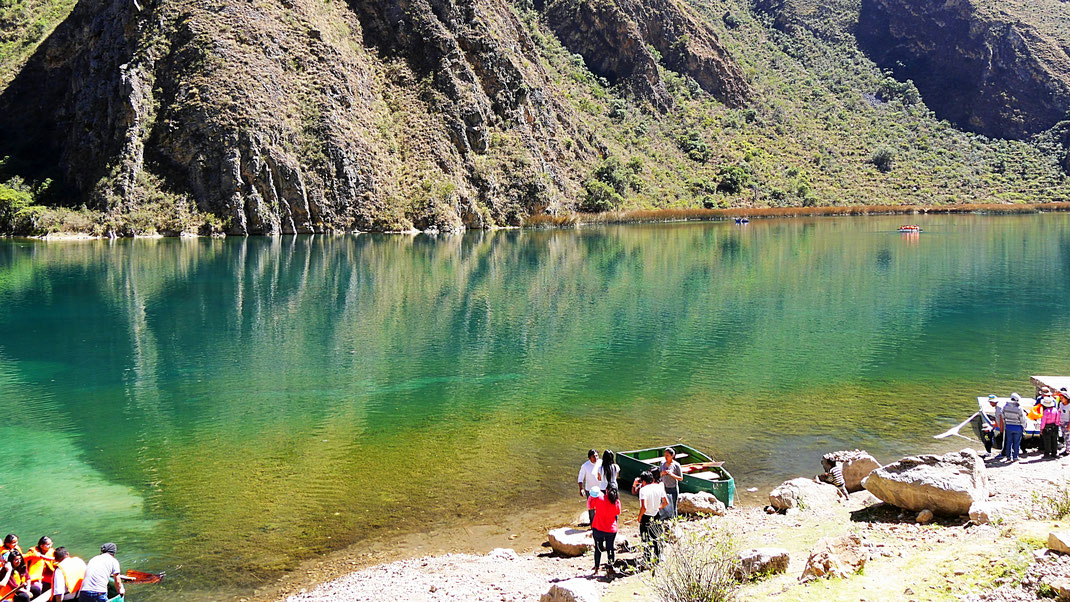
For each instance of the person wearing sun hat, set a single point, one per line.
(1014, 427)
(1049, 426)
(989, 429)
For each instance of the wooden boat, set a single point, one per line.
(703, 475)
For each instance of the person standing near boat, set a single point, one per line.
(1064, 419)
(98, 571)
(588, 477)
(671, 475)
(1014, 421)
(652, 500)
(608, 472)
(1049, 426)
(604, 524)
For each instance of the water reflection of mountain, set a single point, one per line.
(274, 398)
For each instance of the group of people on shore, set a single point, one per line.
(53, 571)
(1052, 413)
(658, 491)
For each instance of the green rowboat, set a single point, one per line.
(711, 479)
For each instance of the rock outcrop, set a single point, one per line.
(987, 71)
(614, 38)
(803, 493)
(856, 464)
(1059, 541)
(761, 562)
(947, 484)
(700, 503)
(573, 590)
(835, 557)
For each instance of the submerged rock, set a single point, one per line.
(947, 484)
(803, 494)
(835, 557)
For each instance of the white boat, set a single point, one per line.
(987, 413)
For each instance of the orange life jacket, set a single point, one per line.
(40, 565)
(73, 573)
(16, 581)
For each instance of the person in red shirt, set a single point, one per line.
(604, 525)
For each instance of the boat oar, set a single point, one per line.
(133, 576)
(955, 430)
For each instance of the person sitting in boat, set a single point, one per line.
(40, 562)
(11, 542)
(14, 584)
(68, 576)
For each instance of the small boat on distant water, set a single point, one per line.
(701, 473)
(742, 220)
(910, 229)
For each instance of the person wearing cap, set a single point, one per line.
(1064, 419)
(1014, 427)
(1049, 426)
(98, 571)
(989, 429)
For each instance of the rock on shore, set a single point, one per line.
(856, 464)
(802, 493)
(947, 484)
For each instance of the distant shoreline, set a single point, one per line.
(641, 216)
(647, 216)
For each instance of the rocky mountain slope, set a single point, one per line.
(279, 116)
(998, 68)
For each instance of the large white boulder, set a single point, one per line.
(759, 562)
(856, 463)
(947, 484)
(571, 542)
(573, 590)
(699, 503)
(835, 557)
(805, 494)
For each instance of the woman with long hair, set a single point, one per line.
(609, 471)
(604, 526)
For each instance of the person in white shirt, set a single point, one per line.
(589, 477)
(98, 571)
(652, 499)
(68, 576)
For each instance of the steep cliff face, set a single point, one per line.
(615, 37)
(983, 69)
(288, 116)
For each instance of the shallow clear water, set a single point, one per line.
(221, 408)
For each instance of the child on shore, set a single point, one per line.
(834, 474)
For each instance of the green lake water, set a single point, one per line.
(225, 408)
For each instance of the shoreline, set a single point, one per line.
(342, 571)
(630, 216)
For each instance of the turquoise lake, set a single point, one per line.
(223, 409)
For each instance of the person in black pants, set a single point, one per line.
(652, 500)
